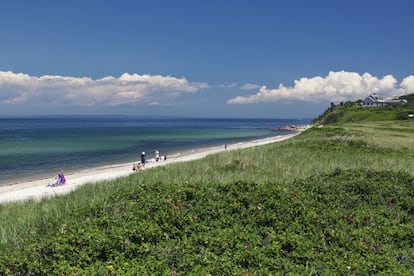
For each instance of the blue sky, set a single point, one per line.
(227, 58)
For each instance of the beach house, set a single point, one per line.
(375, 100)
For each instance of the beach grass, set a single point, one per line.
(332, 200)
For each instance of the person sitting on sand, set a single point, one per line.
(62, 178)
(55, 182)
(137, 167)
(59, 180)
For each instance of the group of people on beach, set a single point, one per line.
(60, 179)
(140, 165)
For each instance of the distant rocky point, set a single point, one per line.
(293, 128)
(287, 128)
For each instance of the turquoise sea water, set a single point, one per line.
(36, 146)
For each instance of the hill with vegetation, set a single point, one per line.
(355, 112)
(334, 200)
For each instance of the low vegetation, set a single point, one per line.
(354, 112)
(335, 200)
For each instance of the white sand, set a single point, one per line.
(38, 189)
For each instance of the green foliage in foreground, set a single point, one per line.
(354, 221)
(336, 200)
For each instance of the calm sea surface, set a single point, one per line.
(38, 146)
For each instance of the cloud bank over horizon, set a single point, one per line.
(335, 87)
(156, 90)
(110, 91)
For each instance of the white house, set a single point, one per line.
(375, 100)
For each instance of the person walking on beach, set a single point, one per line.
(157, 156)
(143, 159)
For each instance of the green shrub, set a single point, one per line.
(352, 221)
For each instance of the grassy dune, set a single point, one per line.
(333, 200)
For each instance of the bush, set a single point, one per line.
(346, 221)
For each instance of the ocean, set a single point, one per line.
(32, 147)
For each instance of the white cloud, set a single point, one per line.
(408, 85)
(229, 86)
(249, 86)
(127, 89)
(335, 87)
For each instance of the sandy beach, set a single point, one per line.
(38, 189)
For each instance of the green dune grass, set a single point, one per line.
(334, 200)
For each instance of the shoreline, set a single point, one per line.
(37, 189)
